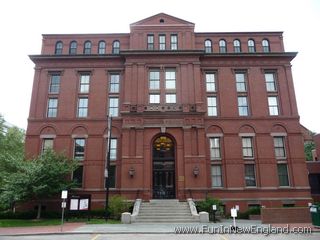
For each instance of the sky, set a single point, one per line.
(23, 21)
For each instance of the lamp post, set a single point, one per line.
(107, 167)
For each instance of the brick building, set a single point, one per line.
(195, 114)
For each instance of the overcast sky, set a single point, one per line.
(23, 21)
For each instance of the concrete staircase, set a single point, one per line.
(165, 211)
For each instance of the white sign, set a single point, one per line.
(74, 204)
(214, 207)
(237, 207)
(313, 209)
(64, 194)
(63, 205)
(84, 204)
(233, 212)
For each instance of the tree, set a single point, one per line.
(39, 179)
(308, 147)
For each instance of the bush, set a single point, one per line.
(250, 211)
(206, 205)
(118, 205)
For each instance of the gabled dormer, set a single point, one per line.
(162, 32)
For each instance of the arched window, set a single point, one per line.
(208, 46)
(116, 47)
(102, 47)
(251, 46)
(59, 46)
(222, 46)
(265, 45)
(236, 46)
(87, 47)
(73, 47)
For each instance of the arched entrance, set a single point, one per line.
(163, 157)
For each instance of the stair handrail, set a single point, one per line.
(192, 207)
(136, 209)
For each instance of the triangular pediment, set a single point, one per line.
(161, 19)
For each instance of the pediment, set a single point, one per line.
(161, 19)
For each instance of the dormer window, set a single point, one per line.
(251, 46)
(102, 47)
(87, 47)
(208, 46)
(265, 45)
(236, 46)
(116, 47)
(73, 47)
(58, 49)
(222, 46)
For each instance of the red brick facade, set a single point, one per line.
(173, 86)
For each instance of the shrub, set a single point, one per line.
(206, 205)
(118, 205)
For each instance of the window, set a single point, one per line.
(114, 106)
(241, 82)
(79, 144)
(113, 149)
(279, 148)
(283, 175)
(54, 86)
(162, 42)
(170, 79)
(208, 46)
(216, 176)
(116, 47)
(222, 46)
(82, 107)
(73, 47)
(154, 98)
(265, 45)
(215, 153)
(270, 82)
(247, 147)
(251, 46)
(154, 79)
(112, 177)
(236, 46)
(58, 49)
(210, 82)
(52, 107)
(77, 176)
(47, 143)
(84, 83)
(87, 47)
(114, 83)
(273, 106)
(150, 39)
(243, 106)
(212, 106)
(174, 42)
(102, 47)
(171, 98)
(250, 175)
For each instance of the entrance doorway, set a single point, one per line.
(163, 168)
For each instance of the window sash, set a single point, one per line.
(162, 42)
(112, 176)
(283, 175)
(171, 98)
(208, 46)
(154, 98)
(79, 148)
(116, 47)
(243, 106)
(114, 83)
(279, 147)
(215, 152)
(54, 83)
(241, 82)
(170, 76)
(210, 82)
(102, 48)
(87, 48)
(47, 144)
(174, 42)
(77, 176)
(150, 42)
(212, 106)
(273, 106)
(114, 107)
(250, 175)
(83, 107)
(247, 147)
(52, 107)
(216, 176)
(270, 82)
(113, 148)
(84, 83)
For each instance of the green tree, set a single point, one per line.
(38, 179)
(308, 147)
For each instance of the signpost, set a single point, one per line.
(234, 215)
(64, 196)
(214, 209)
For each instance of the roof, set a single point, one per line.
(161, 19)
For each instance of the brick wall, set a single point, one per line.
(285, 215)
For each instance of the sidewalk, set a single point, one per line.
(136, 228)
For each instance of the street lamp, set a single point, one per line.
(107, 167)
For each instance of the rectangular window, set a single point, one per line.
(283, 175)
(210, 82)
(162, 42)
(171, 98)
(112, 177)
(212, 106)
(170, 79)
(273, 106)
(215, 153)
(114, 83)
(52, 107)
(154, 98)
(279, 147)
(154, 79)
(113, 149)
(247, 147)
(216, 176)
(82, 107)
(47, 143)
(150, 39)
(84, 83)
(114, 107)
(54, 86)
(250, 175)
(270, 82)
(79, 146)
(77, 176)
(174, 42)
(243, 106)
(241, 82)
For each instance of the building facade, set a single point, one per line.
(194, 114)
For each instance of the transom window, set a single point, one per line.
(208, 46)
(87, 47)
(171, 98)
(251, 46)
(162, 42)
(222, 46)
(174, 42)
(247, 147)
(102, 47)
(150, 39)
(236, 46)
(154, 98)
(210, 82)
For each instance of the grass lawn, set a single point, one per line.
(49, 222)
